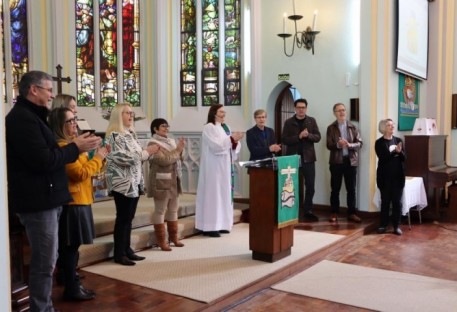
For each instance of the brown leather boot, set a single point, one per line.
(159, 230)
(173, 233)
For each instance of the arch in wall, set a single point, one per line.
(281, 101)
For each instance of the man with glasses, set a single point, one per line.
(344, 142)
(299, 134)
(36, 167)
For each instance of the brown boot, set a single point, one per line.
(159, 229)
(173, 233)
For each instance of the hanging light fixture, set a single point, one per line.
(301, 39)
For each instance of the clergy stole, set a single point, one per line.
(232, 166)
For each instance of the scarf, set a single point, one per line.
(169, 145)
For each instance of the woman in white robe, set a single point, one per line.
(219, 150)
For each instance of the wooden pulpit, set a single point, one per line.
(267, 242)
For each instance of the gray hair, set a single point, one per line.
(382, 125)
(34, 77)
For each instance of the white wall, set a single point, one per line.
(320, 78)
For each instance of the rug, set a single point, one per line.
(374, 289)
(209, 268)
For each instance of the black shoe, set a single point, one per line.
(224, 231)
(212, 234)
(77, 295)
(309, 217)
(87, 291)
(398, 231)
(135, 257)
(381, 230)
(124, 261)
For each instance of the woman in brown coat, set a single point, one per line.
(165, 183)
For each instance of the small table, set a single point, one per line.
(413, 196)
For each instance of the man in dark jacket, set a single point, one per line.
(37, 182)
(299, 134)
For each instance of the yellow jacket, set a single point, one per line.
(80, 175)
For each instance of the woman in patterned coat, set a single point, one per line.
(124, 177)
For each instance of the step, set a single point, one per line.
(142, 238)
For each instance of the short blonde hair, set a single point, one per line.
(115, 120)
(382, 125)
(259, 112)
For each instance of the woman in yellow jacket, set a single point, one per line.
(76, 224)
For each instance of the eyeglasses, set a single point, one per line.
(48, 89)
(300, 107)
(260, 117)
(71, 121)
(132, 114)
(165, 126)
(340, 110)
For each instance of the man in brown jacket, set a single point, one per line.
(344, 142)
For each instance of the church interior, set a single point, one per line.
(173, 59)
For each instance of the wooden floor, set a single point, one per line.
(428, 249)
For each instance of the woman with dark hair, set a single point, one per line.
(219, 149)
(76, 224)
(165, 183)
(390, 175)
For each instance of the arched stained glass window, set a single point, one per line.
(14, 45)
(100, 80)
(214, 53)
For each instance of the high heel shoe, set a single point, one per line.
(124, 261)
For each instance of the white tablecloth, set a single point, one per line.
(413, 195)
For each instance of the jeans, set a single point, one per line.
(349, 173)
(42, 232)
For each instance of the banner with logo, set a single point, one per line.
(408, 102)
(288, 190)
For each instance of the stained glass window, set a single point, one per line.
(188, 53)
(100, 53)
(232, 77)
(85, 53)
(17, 47)
(209, 57)
(131, 52)
(210, 51)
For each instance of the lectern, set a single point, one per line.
(267, 242)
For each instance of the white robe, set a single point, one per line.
(214, 207)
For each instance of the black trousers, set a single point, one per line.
(391, 193)
(68, 255)
(349, 173)
(308, 172)
(125, 212)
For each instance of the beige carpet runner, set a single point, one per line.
(209, 268)
(375, 289)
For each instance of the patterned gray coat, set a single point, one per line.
(124, 171)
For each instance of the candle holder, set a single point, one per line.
(302, 39)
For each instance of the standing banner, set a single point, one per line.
(288, 190)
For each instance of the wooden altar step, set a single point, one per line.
(143, 236)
